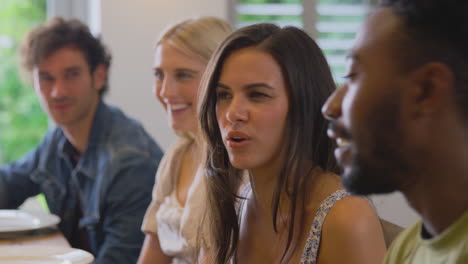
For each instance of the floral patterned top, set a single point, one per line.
(313, 241)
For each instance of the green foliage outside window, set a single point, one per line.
(22, 121)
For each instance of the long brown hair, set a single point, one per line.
(309, 83)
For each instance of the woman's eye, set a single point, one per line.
(258, 95)
(183, 75)
(158, 75)
(223, 95)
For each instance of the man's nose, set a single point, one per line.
(332, 107)
(59, 88)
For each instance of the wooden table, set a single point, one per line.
(44, 237)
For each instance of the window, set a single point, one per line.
(280, 12)
(332, 23)
(22, 121)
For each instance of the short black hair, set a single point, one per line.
(436, 30)
(45, 39)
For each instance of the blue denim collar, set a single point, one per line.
(88, 163)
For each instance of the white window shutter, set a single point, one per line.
(331, 22)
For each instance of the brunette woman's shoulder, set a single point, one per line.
(352, 228)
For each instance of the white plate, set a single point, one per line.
(18, 221)
(43, 255)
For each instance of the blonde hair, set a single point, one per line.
(197, 37)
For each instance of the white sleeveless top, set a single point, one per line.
(172, 242)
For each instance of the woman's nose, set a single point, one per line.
(168, 89)
(237, 111)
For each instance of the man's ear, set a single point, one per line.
(432, 86)
(100, 76)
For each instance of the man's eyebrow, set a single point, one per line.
(66, 70)
(73, 68)
(44, 73)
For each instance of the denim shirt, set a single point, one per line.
(113, 179)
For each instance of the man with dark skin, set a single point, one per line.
(401, 122)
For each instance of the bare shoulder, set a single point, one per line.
(352, 210)
(352, 217)
(353, 228)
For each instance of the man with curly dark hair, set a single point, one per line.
(401, 122)
(96, 166)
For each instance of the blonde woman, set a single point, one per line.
(172, 219)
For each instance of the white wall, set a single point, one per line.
(394, 208)
(130, 29)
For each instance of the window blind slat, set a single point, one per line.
(342, 10)
(335, 44)
(270, 9)
(338, 27)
